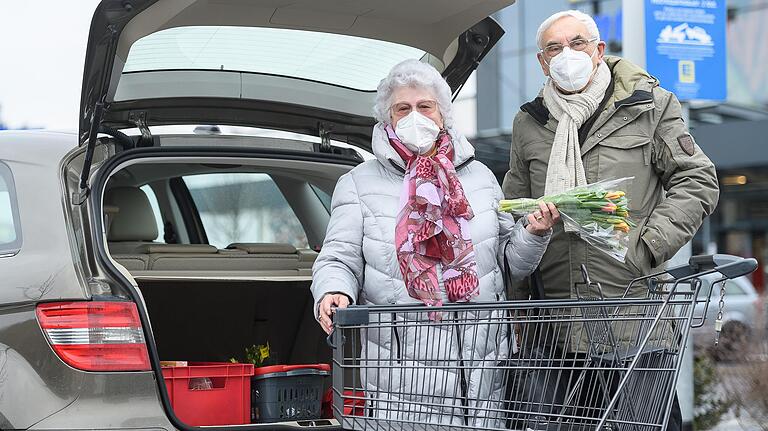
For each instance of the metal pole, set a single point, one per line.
(633, 31)
(633, 49)
(521, 56)
(685, 379)
(706, 237)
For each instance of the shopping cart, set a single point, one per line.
(593, 363)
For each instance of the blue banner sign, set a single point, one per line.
(685, 47)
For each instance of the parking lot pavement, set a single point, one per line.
(745, 384)
(732, 423)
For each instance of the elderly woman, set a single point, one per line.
(420, 224)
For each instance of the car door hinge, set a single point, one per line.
(139, 119)
(324, 130)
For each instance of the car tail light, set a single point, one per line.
(95, 336)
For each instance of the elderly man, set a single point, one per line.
(616, 117)
(600, 117)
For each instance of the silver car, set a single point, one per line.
(743, 315)
(143, 238)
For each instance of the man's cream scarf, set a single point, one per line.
(565, 169)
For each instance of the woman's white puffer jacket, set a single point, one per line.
(358, 259)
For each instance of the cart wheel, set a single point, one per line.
(734, 342)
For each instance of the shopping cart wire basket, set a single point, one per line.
(591, 363)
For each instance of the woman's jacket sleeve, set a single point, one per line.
(340, 264)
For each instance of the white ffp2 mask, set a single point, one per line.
(571, 69)
(417, 132)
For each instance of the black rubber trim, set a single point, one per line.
(350, 128)
(102, 256)
(119, 136)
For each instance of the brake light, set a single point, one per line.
(96, 336)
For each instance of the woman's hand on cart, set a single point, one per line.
(327, 304)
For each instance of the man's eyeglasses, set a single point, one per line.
(426, 107)
(578, 44)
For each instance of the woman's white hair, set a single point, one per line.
(413, 73)
(579, 15)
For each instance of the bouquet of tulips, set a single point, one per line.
(597, 212)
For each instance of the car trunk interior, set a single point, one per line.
(210, 302)
(213, 321)
(219, 233)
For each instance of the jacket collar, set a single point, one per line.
(631, 86)
(637, 97)
(463, 151)
(536, 109)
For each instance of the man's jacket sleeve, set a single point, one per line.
(689, 179)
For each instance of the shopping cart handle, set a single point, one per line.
(738, 268)
(352, 315)
(709, 261)
(728, 265)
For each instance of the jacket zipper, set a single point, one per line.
(464, 389)
(397, 339)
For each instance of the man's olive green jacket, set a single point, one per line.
(638, 131)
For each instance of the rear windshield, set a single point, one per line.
(347, 61)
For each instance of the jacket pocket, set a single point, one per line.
(631, 144)
(638, 256)
(629, 156)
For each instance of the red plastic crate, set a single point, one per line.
(226, 402)
(354, 403)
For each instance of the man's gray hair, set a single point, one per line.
(579, 15)
(413, 73)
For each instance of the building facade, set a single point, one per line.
(731, 133)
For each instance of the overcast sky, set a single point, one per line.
(42, 49)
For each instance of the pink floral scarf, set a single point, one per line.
(432, 226)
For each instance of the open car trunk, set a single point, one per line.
(308, 67)
(222, 256)
(213, 321)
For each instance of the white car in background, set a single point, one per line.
(744, 314)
